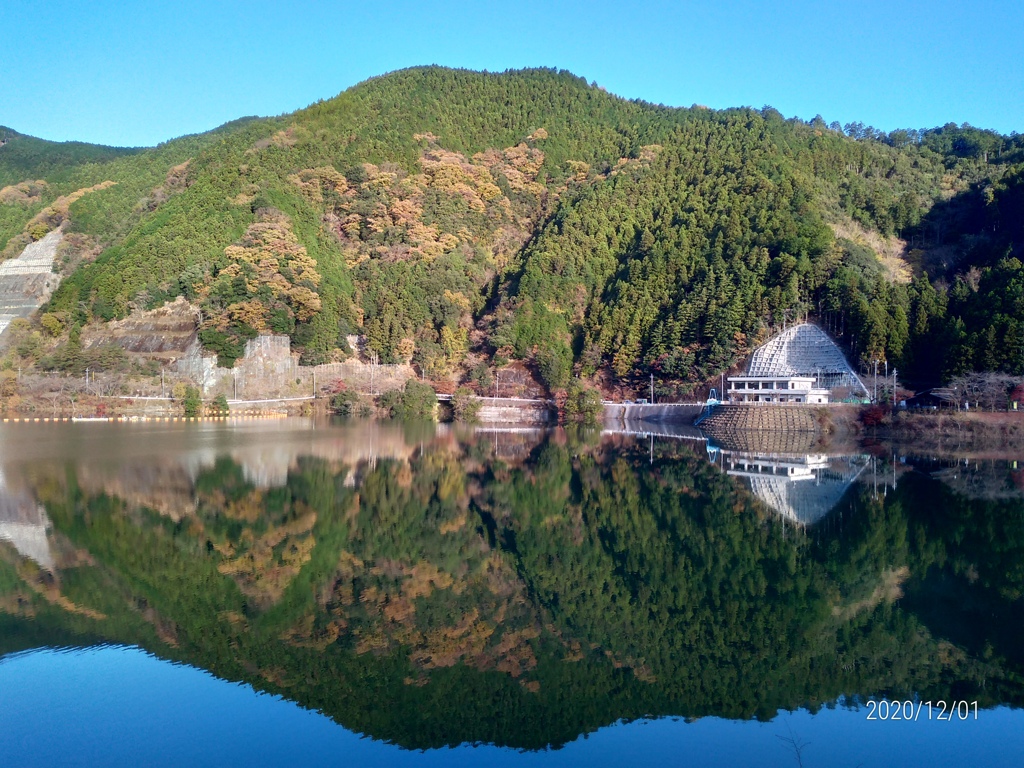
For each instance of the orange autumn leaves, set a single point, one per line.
(390, 214)
(267, 270)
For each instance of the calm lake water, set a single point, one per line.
(307, 593)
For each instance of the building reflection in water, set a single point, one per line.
(801, 488)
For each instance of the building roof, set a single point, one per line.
(747, 376)
(937, 395)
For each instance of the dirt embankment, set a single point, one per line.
(979, 433)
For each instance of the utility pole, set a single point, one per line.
(652, 389)
(875, 400)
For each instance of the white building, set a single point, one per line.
(800, 365)
(775, 389)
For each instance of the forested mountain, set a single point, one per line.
(454, 216)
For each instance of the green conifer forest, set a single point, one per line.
(451, 216)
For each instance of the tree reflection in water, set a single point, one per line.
(525, 588)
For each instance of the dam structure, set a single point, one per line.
(798, 367)
(660, 413)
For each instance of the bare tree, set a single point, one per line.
(794, 743)
(55, 397)
(107, 384)
(74, 391)
(987, 390)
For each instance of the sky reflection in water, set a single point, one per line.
(119, 706)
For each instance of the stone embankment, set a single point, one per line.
(772, 428)
(165, 334)
(269, 368)
(515, 411)
(976, 433)
(24, 524)
(169, 335)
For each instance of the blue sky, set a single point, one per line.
(136, 73)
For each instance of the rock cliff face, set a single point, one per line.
(27, 280)
(166, 334)
(269, 368)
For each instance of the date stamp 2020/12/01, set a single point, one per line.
(922, 710)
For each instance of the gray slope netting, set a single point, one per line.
(805, 350)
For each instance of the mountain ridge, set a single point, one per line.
(442, 208)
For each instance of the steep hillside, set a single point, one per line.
(452, 216)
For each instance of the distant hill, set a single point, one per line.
(459, 219)
(26, 157)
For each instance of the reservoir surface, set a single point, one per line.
(307, 592)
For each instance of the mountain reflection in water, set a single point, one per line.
(433, 587)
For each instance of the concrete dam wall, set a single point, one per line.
(661, 413)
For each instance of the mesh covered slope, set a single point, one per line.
(805, 350)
